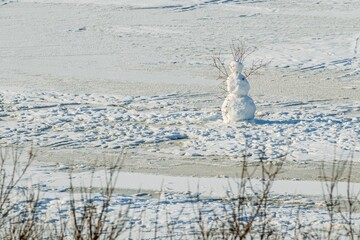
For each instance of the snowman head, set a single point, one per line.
(236, 67)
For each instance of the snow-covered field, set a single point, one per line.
(175, 206)
(80, 80)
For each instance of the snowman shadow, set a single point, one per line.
(277, 122)
(291, 121)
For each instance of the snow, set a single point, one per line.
(93, 76)
(180, 200)
(304, 130)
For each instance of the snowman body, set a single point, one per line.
(237, 106)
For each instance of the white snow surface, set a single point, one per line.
(180, 200)
(145, 41)
(107, 74)
(305, 130)
(104, 74)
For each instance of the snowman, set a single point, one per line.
(237, 106)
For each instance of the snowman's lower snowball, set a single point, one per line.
(235, 108)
